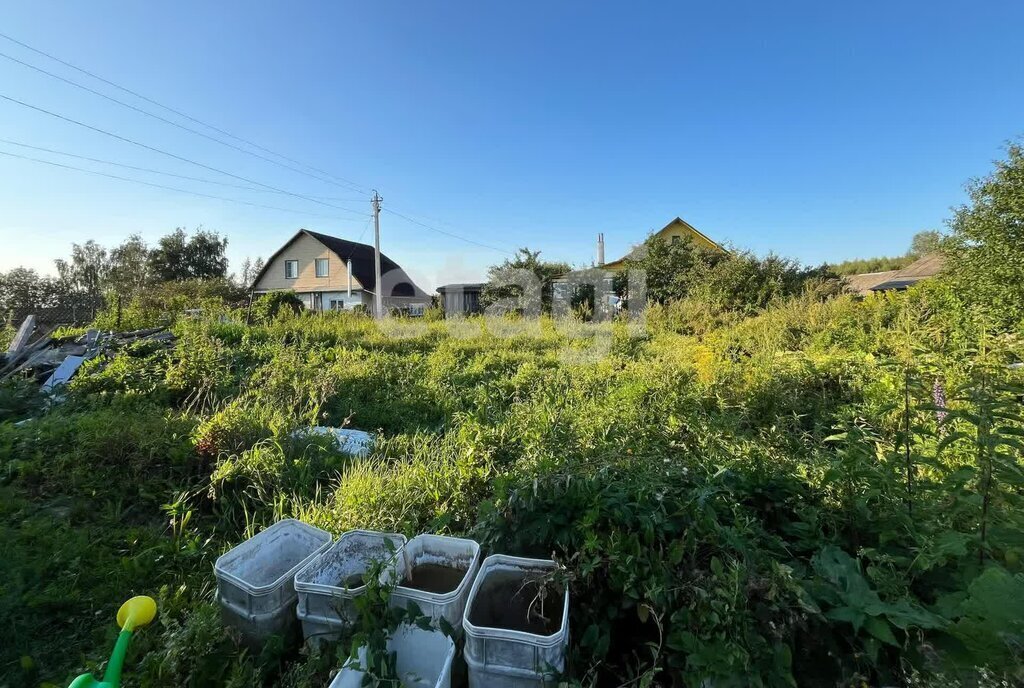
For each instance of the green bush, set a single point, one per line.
(267, 307)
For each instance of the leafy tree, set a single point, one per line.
(923, 243)
(503, 282)
(250, 270)
(986, 249)
(23, 290)
(129, 271)
(86, 271)
(178, 256)
(858, 266)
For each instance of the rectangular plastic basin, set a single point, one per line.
(513, 638)
(328, 584)
(255, 580)
(423, 659)
(439, 592)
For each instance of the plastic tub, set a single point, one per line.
(422, 658)
(257, 628)
(440, 592)
(255, 579)
(326, 603)
(507, 645)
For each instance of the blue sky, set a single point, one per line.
(821, 131)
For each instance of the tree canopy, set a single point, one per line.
(178, 256)
(985, 252)
(504, 280)
(735, 280)
(923, 243)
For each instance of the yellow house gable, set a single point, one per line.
(676, 230)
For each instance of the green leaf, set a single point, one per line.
(675, 552)
(446, 627)
(879, 628)
(855, 617)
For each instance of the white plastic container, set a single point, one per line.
(450, 554)
(350, 441)
(423, 659)
(255, 580)
(501, 657)
(328, 585)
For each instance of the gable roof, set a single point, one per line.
(362, 257)
(636, 252)
(924, 267)
(927, 265)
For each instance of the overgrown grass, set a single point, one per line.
(765, 500)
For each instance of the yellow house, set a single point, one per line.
(675, 231)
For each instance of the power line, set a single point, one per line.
(451, 234)
(165, 120)
(131, 167)
(161, 172)
(355, 186)
(422, 217)
(169, 188)
(179, 113)
(366, 226)
(169, 154)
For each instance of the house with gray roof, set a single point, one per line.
(330, 273)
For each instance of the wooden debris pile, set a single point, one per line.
(53, 361)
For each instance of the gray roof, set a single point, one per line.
(922, 268)
(461, 286)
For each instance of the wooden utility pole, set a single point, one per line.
(378, 301)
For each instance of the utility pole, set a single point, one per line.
(378, 301)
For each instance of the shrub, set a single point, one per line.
(267, 307)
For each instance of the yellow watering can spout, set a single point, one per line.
(136, 612)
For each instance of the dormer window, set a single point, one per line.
(291, 269)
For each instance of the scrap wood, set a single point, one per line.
(63, 373)
(49, 355)
(138, 334)
(28, 326)
(27, 352)
(31, 361)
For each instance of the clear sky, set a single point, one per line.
(817, 130)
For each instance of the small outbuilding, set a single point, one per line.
(461, 299)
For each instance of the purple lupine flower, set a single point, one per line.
(939, 397)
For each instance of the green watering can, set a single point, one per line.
(135, 613)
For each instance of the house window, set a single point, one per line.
(291, 269)
(416, 309)
(675, 238)
(337, 304)
(321, 267)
